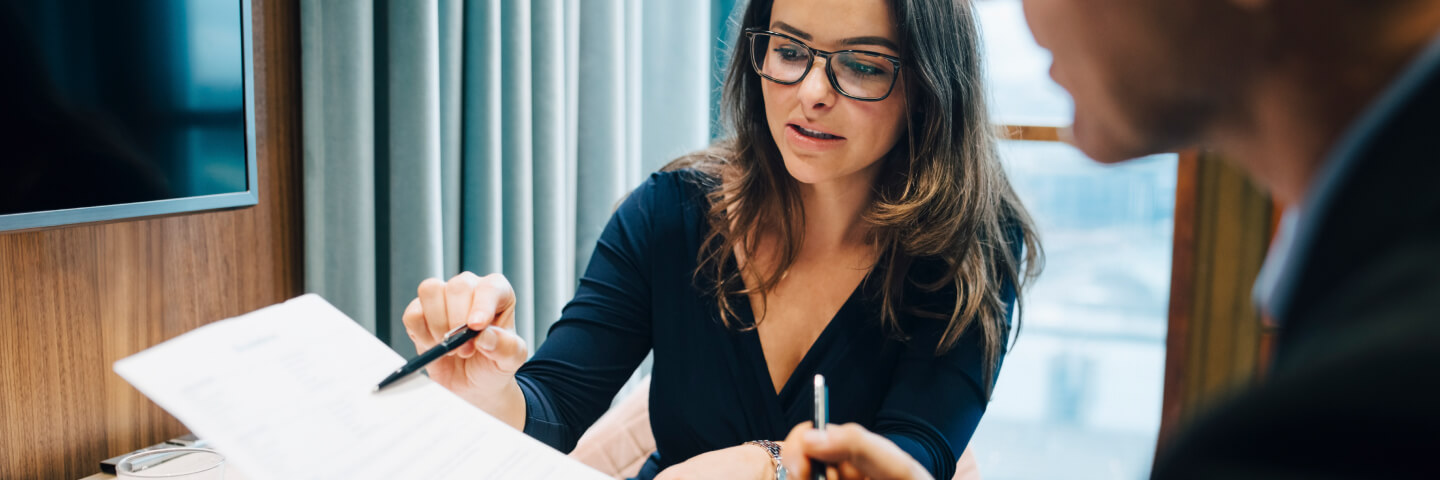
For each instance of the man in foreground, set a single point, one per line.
(1333, 106)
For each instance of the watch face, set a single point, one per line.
(780, 473)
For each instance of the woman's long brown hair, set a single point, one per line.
(941, 194)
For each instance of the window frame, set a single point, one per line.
(1198, 371)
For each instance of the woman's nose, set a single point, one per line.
(815, 89)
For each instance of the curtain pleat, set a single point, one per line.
(339, 157)
(488, 136)
(517, 153)
(675, 108)
(602, 91)
(552, 273)
(452, 43)
(483, 196)
(572, 135)
(635, 32)
(416, 245)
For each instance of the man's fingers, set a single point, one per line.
(847, 471)
(873, 455)
(432, 300)
(414, 320)
(854, 450)
(503, 347)
(796, 453)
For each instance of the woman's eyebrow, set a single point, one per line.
(787, 28)
(869, 40)
(878, 41)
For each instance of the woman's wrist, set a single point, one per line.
(506, 403)
(771, 452)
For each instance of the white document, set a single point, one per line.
(285, 392)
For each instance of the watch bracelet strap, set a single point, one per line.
(769, 446)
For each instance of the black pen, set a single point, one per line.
(453, 340)
(822, 417)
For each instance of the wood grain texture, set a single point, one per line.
(74, 300)
(1182, 286)
(1215, 343)
(1034, 133)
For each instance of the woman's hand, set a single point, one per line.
(852, 453)
(745, 462)
(483, 370)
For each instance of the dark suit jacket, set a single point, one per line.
(1355, 390)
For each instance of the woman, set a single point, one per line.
(858, 225)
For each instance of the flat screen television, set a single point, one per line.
(121, 109)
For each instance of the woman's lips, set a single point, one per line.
(816, 133)
(809, 139)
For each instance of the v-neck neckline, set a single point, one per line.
(808, 362)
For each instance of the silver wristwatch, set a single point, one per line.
(774, 449)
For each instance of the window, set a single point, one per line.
(1079, 394)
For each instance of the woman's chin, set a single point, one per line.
(808, 171)
(814, 170)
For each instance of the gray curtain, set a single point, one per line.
(486, 135)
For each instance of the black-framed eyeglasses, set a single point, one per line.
(857, 74)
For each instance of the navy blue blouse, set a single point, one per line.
(710, 388)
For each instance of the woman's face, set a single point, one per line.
(824, 136)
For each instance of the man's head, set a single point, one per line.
(1149, 75)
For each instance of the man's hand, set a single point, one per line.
(852, 452)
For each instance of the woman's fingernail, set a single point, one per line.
(488, 339)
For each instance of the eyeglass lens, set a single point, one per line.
(859, 75)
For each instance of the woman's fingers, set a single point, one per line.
(459, 293)
(465, 299)
(494, 303)
(432, 300)
(414, 320)
(503, 347)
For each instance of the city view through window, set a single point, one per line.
(1079, 393)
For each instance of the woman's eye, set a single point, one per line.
(865, 69)
(790, 53)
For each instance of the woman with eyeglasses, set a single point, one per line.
(856, 224)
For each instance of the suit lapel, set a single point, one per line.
(1390, 194)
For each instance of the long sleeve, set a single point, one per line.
(934, 405)
(603, 333)
(936, 402)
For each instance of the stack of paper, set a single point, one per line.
(286, 392)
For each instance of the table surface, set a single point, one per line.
(230, 474)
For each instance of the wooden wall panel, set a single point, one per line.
(73, 300)
(1216, 341)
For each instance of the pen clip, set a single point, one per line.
(455, 331)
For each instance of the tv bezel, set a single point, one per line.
(101, 213)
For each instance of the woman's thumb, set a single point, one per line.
(503, 347)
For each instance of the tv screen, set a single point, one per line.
(123, 109)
